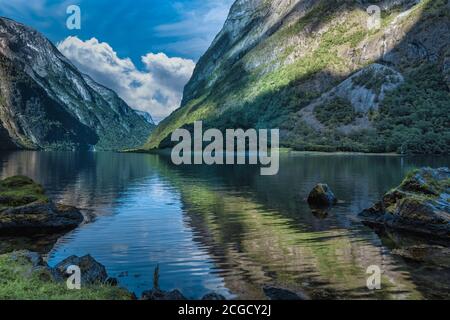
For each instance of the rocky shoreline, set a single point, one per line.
(30, 266)
(25, 209)
(421, 204)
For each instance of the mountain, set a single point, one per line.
(315, 70)
(147, 116)
(46, 103)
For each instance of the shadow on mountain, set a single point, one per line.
(410, 49)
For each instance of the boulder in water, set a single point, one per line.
(321, 195)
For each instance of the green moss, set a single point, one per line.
(20, 190)
(424, 185)
(16, 283)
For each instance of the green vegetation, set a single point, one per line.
(262, 99)
(415, 118)
(424, 182)
(20, 190)
(336, 113)
(297, 63)
(18, 281)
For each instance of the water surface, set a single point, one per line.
(226, 228)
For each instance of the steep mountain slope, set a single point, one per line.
(147, 116)
(46, 103)
(316, 71)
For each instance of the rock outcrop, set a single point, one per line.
(420, 204)
(322, 196)
(92, 272)
(24, 207)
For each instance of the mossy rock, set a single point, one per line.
(419, 204)
(17, 181)
(427, 181)
(25, 276)
(20, 190)
(25, 208)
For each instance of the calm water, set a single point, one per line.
(228, 229)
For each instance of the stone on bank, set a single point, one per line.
(25, 208)
(421, 204)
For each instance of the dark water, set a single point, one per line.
(228, 229)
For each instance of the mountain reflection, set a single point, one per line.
(228, 229)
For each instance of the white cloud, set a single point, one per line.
(198, 25)
(157, 89)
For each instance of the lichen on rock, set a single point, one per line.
(420, 204)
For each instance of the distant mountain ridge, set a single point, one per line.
(46, 103)
(315, 70)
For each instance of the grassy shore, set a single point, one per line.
(20, 281)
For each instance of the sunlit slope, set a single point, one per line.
(315, 70)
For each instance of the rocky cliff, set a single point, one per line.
(317, 71)
(46, 103)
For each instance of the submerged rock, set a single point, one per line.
(274, 293)
(322, 195)
(430, 254)
(213, 296)
(24, 207)
(157, 294)
(420, 204)
(92, 272)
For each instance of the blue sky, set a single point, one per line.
(132, 29)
